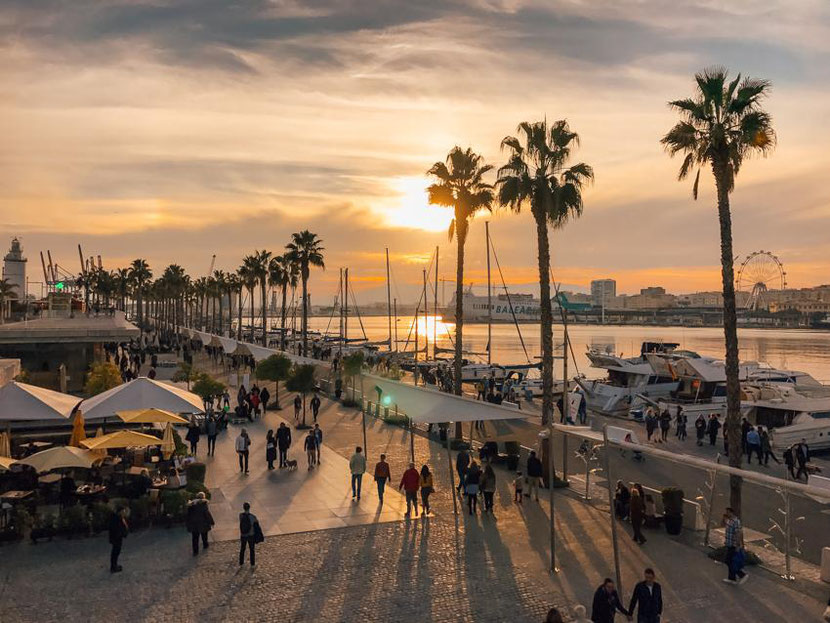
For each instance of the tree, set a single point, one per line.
(460, 185)
(720, 126)
(305, 250)
(101, 377)
(7, 291)
(186, 373)
(220, 278)
(261, 264)
(303, 381)
(249, 277)
(206, 387)
(140, 274)
(275, 368)
(535, 176)
(282, 273)
(353, 367)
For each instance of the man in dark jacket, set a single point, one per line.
(649, 596)
(534, 475)
(462, 462)
(283, 442)
(198, 521)
(117, 533)
(606, 603)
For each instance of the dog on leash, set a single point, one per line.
(291, 465)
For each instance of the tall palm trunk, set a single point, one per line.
(730, 331)
(221, 315)
(546, 313)
(304, 327)
(283, 310)
(461, 238)
(251, 319)
(239, 319)
(264, 313)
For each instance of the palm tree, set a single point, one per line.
(261, 264)
(536, 176)
(122, 285)
(248, 273)
(282, 272)
(305, 250)
(460, 185)
(140, 274)
(239, 283)
(722, 124)
(220, 279)
(6, 292)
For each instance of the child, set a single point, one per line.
(518, 485)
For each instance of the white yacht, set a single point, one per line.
(790, 412)
(629, 381)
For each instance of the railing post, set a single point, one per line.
(611, 509)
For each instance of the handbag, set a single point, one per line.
(258, 536)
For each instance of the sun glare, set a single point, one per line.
(410, 207)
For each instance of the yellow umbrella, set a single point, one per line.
(121, 439)
(150, 416)
(168, 446)
(5, 444)
(99, 454)
(78, 432)
(6, 463)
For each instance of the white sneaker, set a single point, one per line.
(728, 581)
(743, 579)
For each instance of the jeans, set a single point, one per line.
(283, 456)
(193, 445)
(115, 552)
(488, 500)
(425, 493)
(243, 461)
(730, 557)
(249, 541)
(195, 539)
(411, 500)
(211, 445)
(462, 479)
(357, 480)
(769, 453)
(381, 486)
(753, 449)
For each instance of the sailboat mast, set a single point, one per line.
(340, 312)
(346, 304)
(489, 297)
(388, 299)
(395, 312)
(435, 310)
(426, 318)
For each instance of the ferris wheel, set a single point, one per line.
(759, 272)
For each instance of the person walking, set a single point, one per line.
(789, 460)
(243, 445)
(651, 423)
(193, 434)
(581, 614)
(249, 533)
(270, 449)
(264, 397)
(212, 430)
(802, 457)
(410, 483)
(554, 616)
(734, 541)
(310, 447)
(622, 501)
(315, 406)
(283, 443)
(665, 425)
(318, 438)
(118, 529)
(382, 476)
(427, 485)
(681, 424)
(534, 475)
(637, 511)
(606, 603)
(766, 447)
(753, 445)
(462, 462)
(745, 428)
(198, 521)
(647, 598)
(712, 428)
(488, 487)
(700, 429)
(472, 481)
(298, 404)
(357, 467)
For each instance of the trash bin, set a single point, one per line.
(825, 564)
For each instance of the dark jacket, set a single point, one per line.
(117, 529)
(637, 510)
(651, 603)
(462, 462)
(284, 437)
(534, 467)
(605, 605)
(193, 434)
(198, 517)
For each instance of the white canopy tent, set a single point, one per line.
(141, 393)
(430, 406)
(228, 344)
(20, 402)
(252, 350)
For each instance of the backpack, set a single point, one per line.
(788, 455)
(245, 523)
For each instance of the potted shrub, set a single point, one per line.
(140, 512)
(73, 520)
(673, 509)
(43, 527)
(99, 516)
(196, 472)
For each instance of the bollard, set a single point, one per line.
(825, 564)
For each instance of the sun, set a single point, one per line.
(411, 209)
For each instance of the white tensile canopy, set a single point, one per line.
(431, 406)
(60, 457)
(228, 344)
(141, 393)
(257, 352)
(27, 403)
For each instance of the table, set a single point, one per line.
(87, 494)
(15, 496)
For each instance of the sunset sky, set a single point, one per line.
(173, 130)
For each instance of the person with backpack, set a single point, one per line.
(249, 534)
(382, 475)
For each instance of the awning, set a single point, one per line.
(141, 393)
(431, 406)
(20, 402)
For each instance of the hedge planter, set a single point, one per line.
(673, 510)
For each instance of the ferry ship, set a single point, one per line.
(505, 308)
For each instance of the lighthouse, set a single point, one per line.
(14, 268)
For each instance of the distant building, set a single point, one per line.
(652, 291)
(14, 268)
(649, 298)
(603, 291)
(702, 299)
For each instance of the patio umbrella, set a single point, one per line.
(5, 444)
(150, 416)
(121, 439)
(58, 458)
(6, 463)
(168, 445)
(98, 454)
(78, 432)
